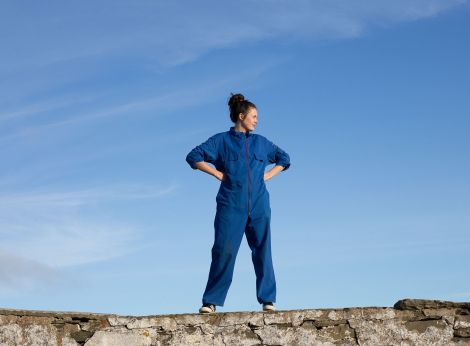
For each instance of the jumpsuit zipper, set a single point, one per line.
(249, 175)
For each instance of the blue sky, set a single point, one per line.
(101, 102)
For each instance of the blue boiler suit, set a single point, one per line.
(242, 208)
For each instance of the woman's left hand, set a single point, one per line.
(275, 170)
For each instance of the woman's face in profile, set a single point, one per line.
(250, 121)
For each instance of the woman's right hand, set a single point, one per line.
(203, 166)
(219, 175)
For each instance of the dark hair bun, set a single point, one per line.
(235, 99)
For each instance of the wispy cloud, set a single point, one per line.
(166, 34)
(18, 274)
(65, 240)
(86, 196)
(189, 95)
(45, 106)
(52, 230)
(174, 33)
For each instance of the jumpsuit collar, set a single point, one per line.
(238, 133)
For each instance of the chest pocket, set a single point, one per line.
(260, 159)
(231, 162)
(259, 156)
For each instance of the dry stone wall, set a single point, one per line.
(408, 322)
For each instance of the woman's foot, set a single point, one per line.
(268, 306)
(207, 308)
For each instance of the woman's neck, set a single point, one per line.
(239, 128)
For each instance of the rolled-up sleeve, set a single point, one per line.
(206, 151)
(278, 156)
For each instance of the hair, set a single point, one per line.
(237, 105)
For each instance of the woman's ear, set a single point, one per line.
(241, 116)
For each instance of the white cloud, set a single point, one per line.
(189, 95)
(174, 33)
(159, 35)
(50, 229)
(65, 241)
(45, 106)
(18, 273)
(81, 197)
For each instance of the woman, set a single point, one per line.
(240, 158)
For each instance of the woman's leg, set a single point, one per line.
(229, 226)
(258, 235)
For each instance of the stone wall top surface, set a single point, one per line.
(409, 321)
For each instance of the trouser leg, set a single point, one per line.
(258, 235)
(229, 226)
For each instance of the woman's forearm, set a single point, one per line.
(203, 166)
(274, 171)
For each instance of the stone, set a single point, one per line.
(105, 338)
(409, 322)
(163, 323)
(11, 335)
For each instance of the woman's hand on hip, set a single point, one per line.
(275, 170)
(203, 166)
(219, 175)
